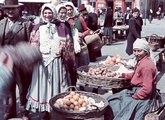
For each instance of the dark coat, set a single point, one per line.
(108, 18)
(20, 32)
(134, 33)
(92, 21)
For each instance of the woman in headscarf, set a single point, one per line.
(134, 103)
(72, 13)
(51, 77)
(62, 16)
(79, 23)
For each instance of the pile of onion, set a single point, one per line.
(101, 71)
(72, 102)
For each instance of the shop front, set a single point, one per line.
(124, 4)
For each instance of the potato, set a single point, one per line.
(71, 106)
(72, 100)
(75, 97)
(75, 103)
(80, 101)
(76, 108)
(67, 102)
(84, 104)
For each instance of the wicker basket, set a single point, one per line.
(155, 41)
(95, 113)
(108, 82)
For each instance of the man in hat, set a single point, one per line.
(91, 20)
(15, 29)
(83, 11)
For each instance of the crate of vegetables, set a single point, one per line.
(101, 75)
(78, 105)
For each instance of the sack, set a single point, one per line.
(92, 37)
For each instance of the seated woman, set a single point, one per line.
(134, 103)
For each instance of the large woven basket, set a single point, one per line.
(108, 82)
(155, 41)
(95, 113)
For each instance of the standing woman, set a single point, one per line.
(72, 13)
(79, 23)
(107, 33)
(73, 33)
(51, 77)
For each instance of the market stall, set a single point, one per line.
(119, 31)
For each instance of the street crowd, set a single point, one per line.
(42, 58)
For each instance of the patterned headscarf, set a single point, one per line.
(52, 8)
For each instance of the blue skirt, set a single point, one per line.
(123, 107)
(107, 31)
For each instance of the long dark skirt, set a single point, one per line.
(123, 107)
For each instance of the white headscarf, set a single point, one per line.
(74, 8)
(143, 44)
(58, 7)
(51, 7)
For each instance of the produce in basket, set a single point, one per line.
(77, 102)
(112, 60)
(104, 71)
